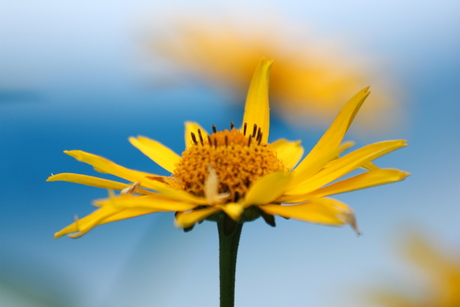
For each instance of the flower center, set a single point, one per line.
(239, 159)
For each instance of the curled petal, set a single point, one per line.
(130, 190)
(319, 211)
(211, 186)
(156, 151)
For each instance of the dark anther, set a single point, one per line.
(201, 137)
(249, 141)
(226, 141)
(254, 131)
(237, 196)
(215, 143)
(247, 183)
(209, 140)
(214, 128)
(193, 138)
(244, 128)
(259, 131)
(232, 125)
(259, 138)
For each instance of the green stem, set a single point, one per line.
(228, 249)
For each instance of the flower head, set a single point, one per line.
(237, 175)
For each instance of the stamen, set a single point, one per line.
(215, 143)
(249, 141)
(194, 138)
(244, 128)
(254, 130)
(214, 128)
(259, 138)
(209, 140)
(259, 131)
(201, 137)
(232, 125)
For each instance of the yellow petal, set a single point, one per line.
(101, 216)
(196, 129)
(188, 219)
(331, 140)
(156, 151)
(289, 152)
(319, 211)
(156, 202)
(106, 166)
(233, 210)
(257, 110)
(345, 165)
(129, 213)
(94, 181)
(305, 173)
(370, 166)
(267, 189)
(361, 181)
(180, 195)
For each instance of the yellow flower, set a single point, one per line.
(442, 282)
(308, 85)
(237, 175)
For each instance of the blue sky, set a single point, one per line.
(71, 78)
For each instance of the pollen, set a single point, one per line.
(239, 158)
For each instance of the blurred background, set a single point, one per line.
(89, 74)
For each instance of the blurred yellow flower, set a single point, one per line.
(442, 279)
(307, 85)
(235, 175)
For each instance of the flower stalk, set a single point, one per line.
(229, 238)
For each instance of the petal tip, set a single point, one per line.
(404, 175)
(57, 235)
(51, 178)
